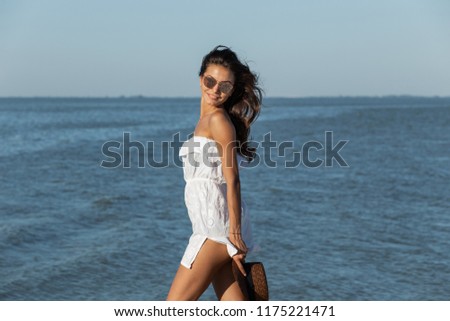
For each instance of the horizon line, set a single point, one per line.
(198, 97)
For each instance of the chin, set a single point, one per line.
(216, 102)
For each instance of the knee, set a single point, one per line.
(180, 297)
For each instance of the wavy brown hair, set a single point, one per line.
(244, 104)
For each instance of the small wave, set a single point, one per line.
(103, 202)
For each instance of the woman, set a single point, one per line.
(230, 102)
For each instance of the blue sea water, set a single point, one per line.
(377, 229)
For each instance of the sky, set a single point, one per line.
(154, 48)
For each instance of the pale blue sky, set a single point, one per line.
(154, 48)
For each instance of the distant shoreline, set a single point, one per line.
(268, 102)
(349, 97)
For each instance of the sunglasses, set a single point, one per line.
(225, 87)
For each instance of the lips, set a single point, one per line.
(213, 97)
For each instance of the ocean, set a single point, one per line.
(351, 202)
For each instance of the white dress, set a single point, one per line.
(206, 198)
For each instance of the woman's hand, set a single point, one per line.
(239, 258)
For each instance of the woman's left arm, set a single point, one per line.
(224, 134)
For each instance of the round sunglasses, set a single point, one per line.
(225, 87)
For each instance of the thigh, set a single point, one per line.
(189, 284)
(226, 286)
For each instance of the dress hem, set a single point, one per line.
(187, 262)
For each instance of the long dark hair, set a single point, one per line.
(244, 104)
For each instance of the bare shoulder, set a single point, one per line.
(221, 126)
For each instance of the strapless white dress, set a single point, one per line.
(206, 198)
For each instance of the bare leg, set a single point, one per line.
(226, 286)
(189, 284)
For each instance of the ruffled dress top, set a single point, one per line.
(205, 197)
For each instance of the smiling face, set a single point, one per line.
(223, 77)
